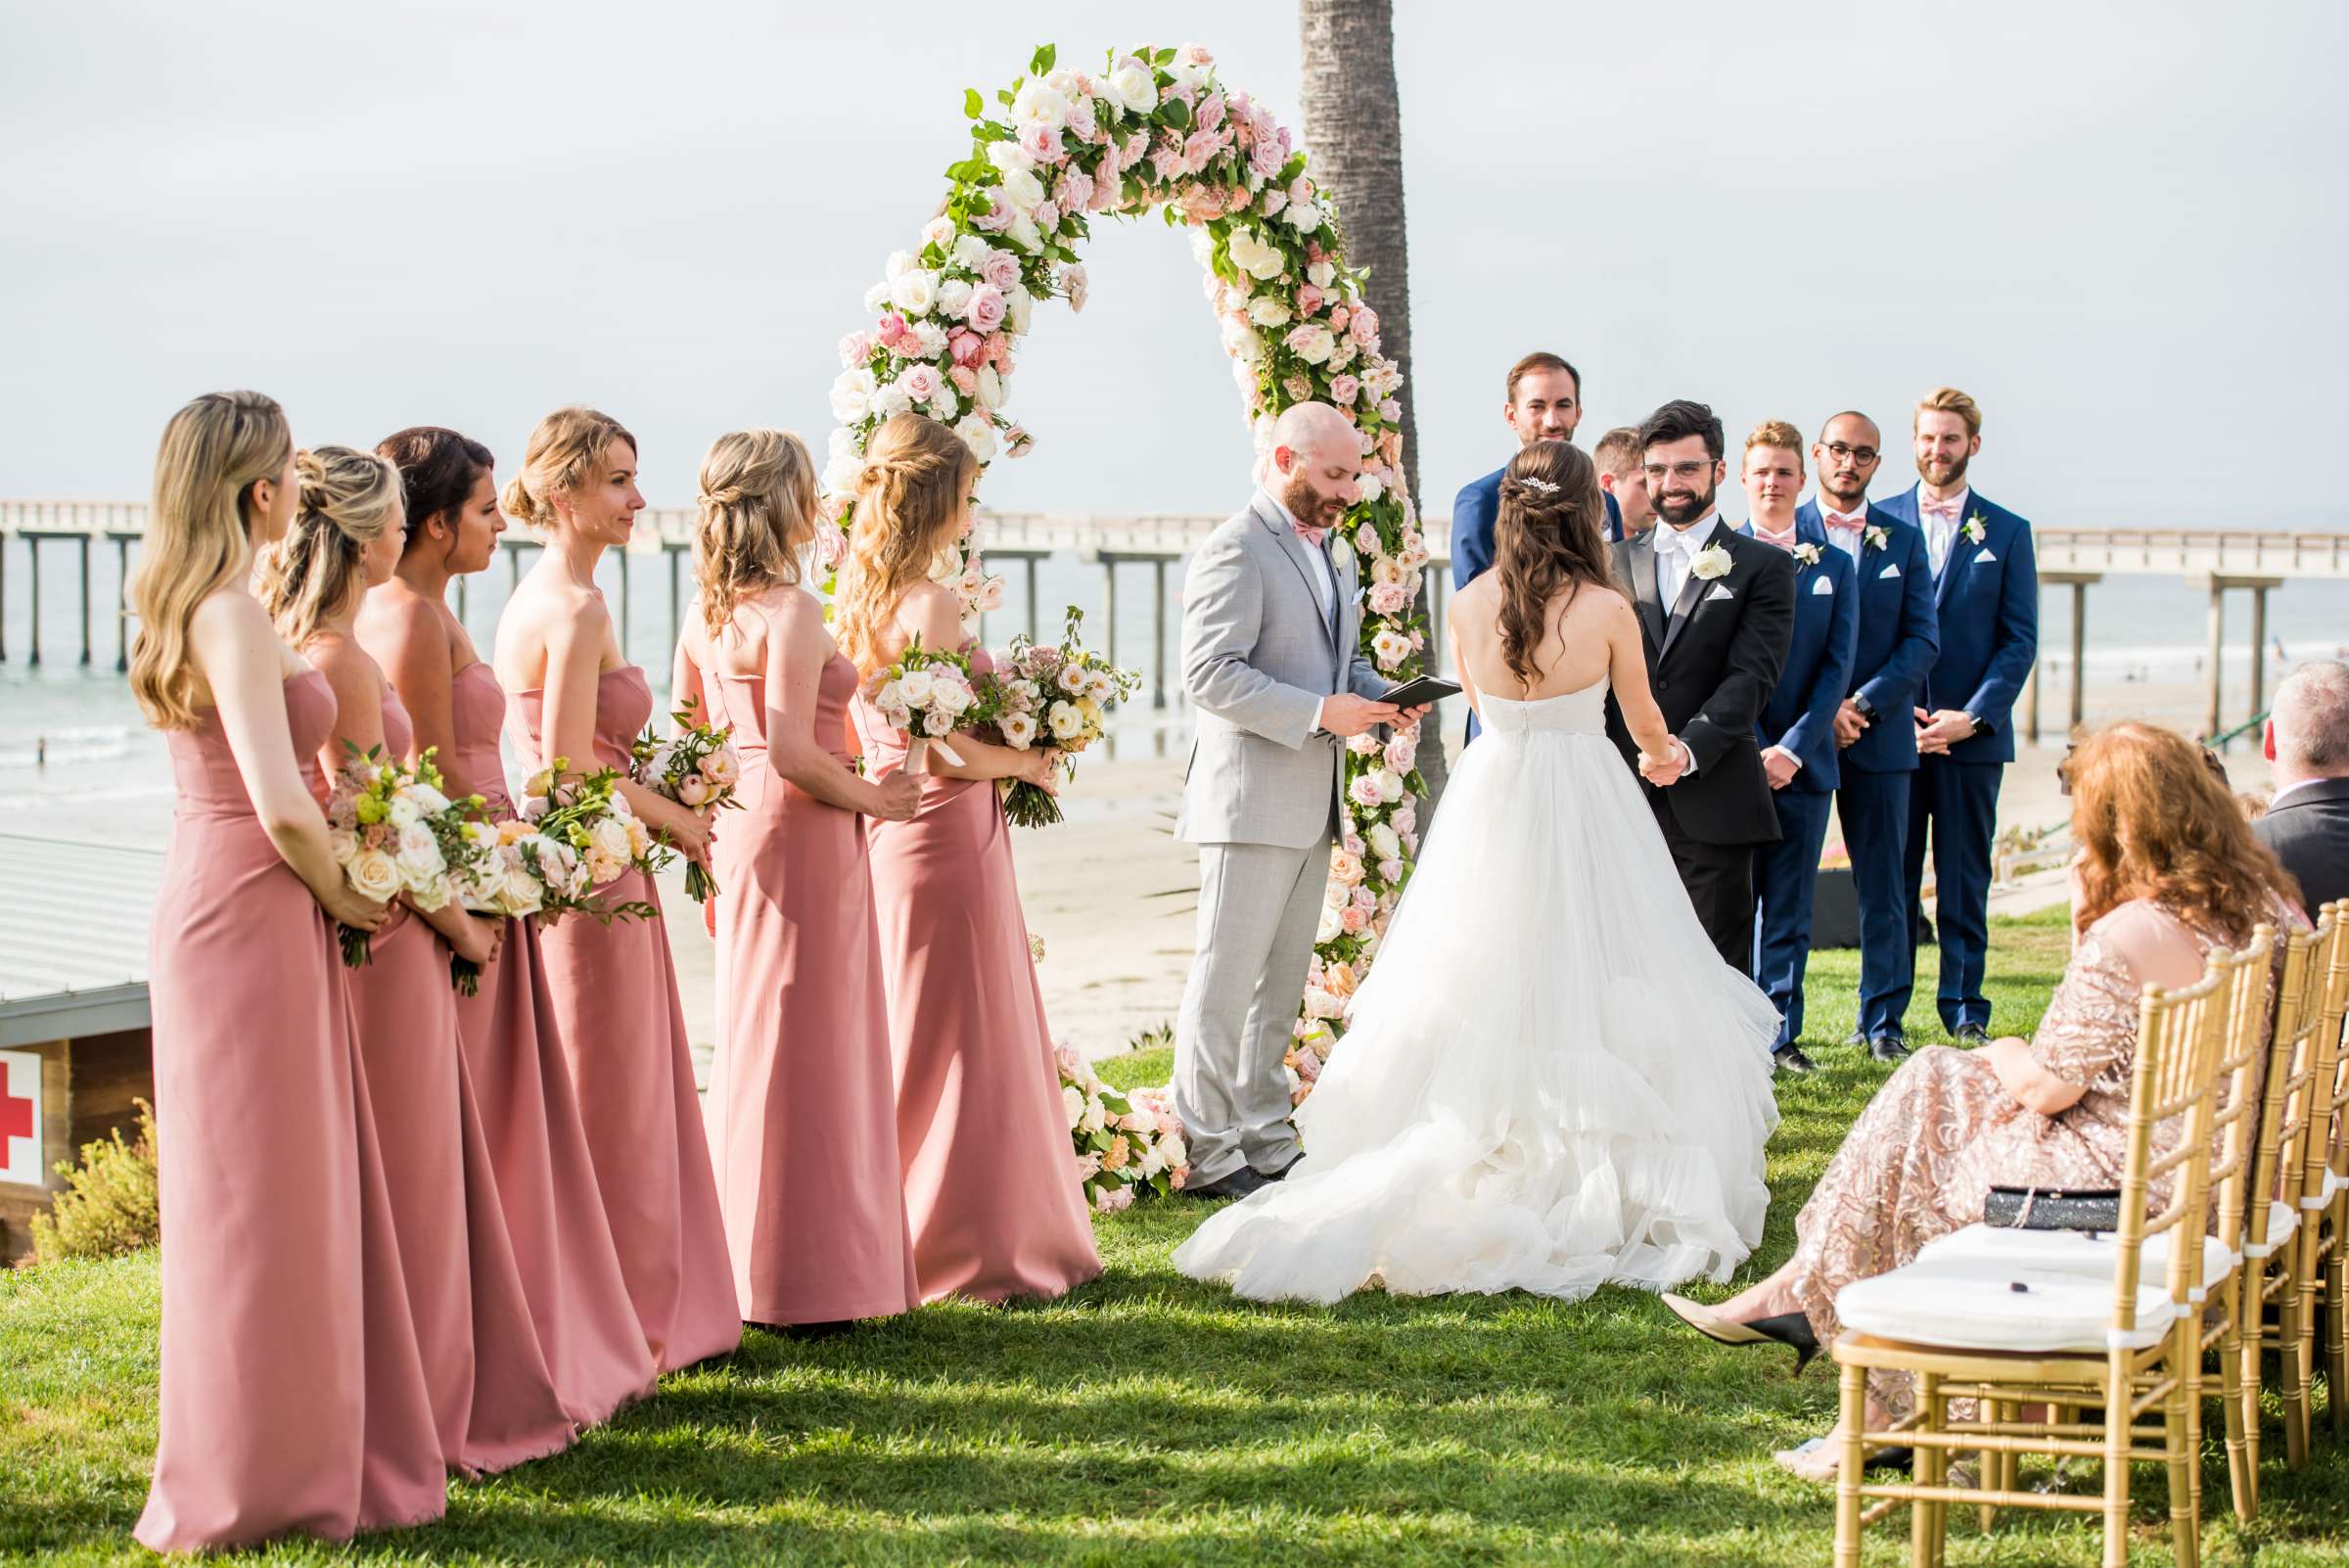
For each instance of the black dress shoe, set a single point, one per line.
(1888, 1047)
(1856, 1039)
(1281, 1175)
(1790, 1059)
(1972, 1034)
(1238, 1184)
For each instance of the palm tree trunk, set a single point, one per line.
(1353, 124)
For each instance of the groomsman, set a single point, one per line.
(1797, 727)
(1544, 405)
(1896, 639)
(1986, 595)
(1622, 482)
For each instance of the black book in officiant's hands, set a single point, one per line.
(1420, 691)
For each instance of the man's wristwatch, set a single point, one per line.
(1867, 710)
(1980, 728)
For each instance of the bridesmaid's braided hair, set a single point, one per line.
(348, 497)
(755, 507)
(909, 500)
(1545, 538)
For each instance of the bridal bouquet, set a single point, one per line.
(393, 832)
(698, 769)
(1055, 697)
(927, 695)
(1127, 1141)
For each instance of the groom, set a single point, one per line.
(1717, 616)
(1271, 632)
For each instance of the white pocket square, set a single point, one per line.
(1719, 592)
(1822, 586)
(1891, 570)
(1984, 555)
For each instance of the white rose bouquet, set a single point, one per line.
(1057, 697)
(590, 819)
(395, 834)
(696, 767)
(927, 695)
(1127, 1142)
(523, 871)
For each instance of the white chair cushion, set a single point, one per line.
(2282, 1220)
(2071, 1252)
(1975, 1305)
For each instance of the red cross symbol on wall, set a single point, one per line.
(15, 1117)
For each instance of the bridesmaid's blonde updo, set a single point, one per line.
(757, 507)
(198, 535)
(348, 497)
(566, 448)
(910, 501)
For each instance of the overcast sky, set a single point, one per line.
(2116, 222)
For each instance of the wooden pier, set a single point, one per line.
(2213, 561)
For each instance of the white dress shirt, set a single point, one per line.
(1676, 550)
(1941, 534)
(1326, 581)
(1851, 537)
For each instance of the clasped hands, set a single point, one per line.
(1668, 769)
(1938, 729)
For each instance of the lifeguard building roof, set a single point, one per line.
(72, 938)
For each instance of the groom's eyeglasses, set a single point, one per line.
(1839, 450)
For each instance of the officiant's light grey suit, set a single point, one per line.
(1262, 646)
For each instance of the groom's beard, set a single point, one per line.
(1679, 508)
(1310, 509)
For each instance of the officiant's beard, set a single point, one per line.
(1679, 508)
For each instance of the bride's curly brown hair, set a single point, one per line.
(1544, 538)
(2155, 822)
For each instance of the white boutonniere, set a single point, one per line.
(1873, 538)
(1806, 553)
(1710, 563)
(1975, 526)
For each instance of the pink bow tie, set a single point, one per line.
(1947, 511)
(1784, 541)
(1312, 537)
(1849, 524)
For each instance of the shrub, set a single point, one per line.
(109, 1205)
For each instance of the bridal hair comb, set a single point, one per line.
(1542, 484)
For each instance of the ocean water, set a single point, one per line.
(73, 748)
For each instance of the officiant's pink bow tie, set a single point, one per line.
(1310, 536)
(1946, 510)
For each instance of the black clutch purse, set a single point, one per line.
(2054, 1207)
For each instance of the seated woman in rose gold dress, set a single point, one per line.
(2168, 870)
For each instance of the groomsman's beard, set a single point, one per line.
(1680, 512)
(1845, 501)
(1943, 474)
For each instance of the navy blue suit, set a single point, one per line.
(1986, 597)
(1800, 717)
(1898, 637)
(1473, 512)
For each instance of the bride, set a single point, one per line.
(1550, 1081)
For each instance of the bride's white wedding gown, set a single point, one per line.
(1551, 1080)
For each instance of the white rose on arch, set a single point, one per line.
(914, 289)
(1135, 87)
(978, 433)
(1254, 256)
(1268, 310)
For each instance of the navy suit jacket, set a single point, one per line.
(1800, 715)
(1987, 599)
(1473, 513)
(1899, 635)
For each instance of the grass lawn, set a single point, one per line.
(1149, 1420)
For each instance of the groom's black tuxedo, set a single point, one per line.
(1713, 659)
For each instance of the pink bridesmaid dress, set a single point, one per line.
(293, 1396)
(991, 1180)
(493, 1398)
(615, 991)
(522, 1088)
(803, 1119)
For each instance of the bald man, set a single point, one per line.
(1271, 639)
(2307, 823)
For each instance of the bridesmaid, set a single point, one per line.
(545, 1179)
(990, 1186)
(615, 987)
(802, 1122)
(292, 1398)
(494, 1401)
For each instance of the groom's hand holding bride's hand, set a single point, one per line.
(1666, 770)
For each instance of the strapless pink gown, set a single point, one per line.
(493, 1399)
(991, 1179)
(803, 1121)
(615, 990)
(293, 1397)
(530, 1119)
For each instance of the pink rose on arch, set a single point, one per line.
(996, 219)
(1192, 54)
(1389, 599)
(1353, 919)
(1275, 199)
(1136, 148)
(999, 269)
(1266, 156)
(965, 380)
(1082, 123)
(1210, 112)
(998, 349)
(1199, 149)
(1047, 216)
(1344, 388)
(1389, 409)
(1363, 328)
(1353, 844)
(966, 347)
(1399, 756)
(856, 349)
(919, 382)
(1309, 300)
(985, 310)
(1041, 143)
(831, 547)
(1406, 818)
(1201, 204)
(891, 327)
(1364, 899)
(1075, 193)
(1298, 388)
(1017, 442)
(1363, 790)
(1314, 251)
(1390, 871)
(1167, 160)
(1301, 189)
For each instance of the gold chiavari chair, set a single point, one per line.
(2324, 1189)
(2271, 1251)
(2005, 1337)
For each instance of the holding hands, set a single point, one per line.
(1668, 769)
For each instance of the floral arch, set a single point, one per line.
(1156, 130)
